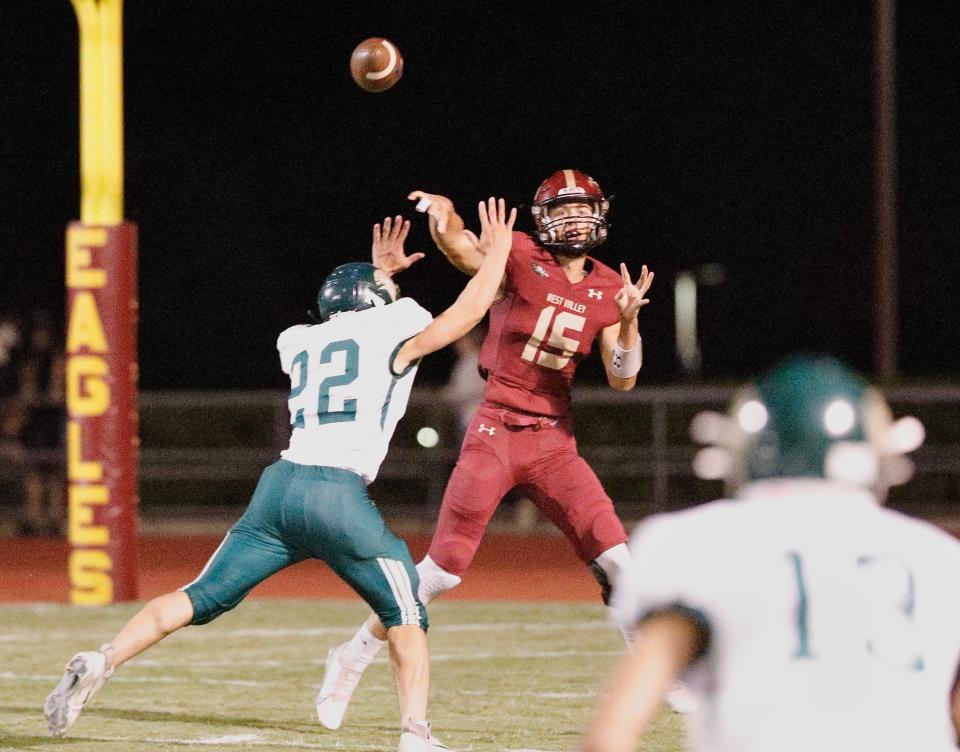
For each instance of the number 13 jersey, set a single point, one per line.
(542, 327)
(344, 399)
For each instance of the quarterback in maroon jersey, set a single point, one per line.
(554, 301)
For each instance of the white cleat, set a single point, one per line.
(339, 681)
(85, 674)
(415, 737)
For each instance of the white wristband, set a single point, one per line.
(626, 363)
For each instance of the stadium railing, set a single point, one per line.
(637, 442)
(207, 449)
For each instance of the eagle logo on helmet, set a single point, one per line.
(554, 233)
(355, 286)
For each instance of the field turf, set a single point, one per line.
(247, 680)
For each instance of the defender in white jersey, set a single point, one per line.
(803, 615)
(350, 378)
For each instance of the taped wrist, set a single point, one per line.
(626, 363)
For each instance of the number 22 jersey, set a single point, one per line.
(344, 399)
(542, 327)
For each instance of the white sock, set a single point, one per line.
(362, 648)
(420, 728)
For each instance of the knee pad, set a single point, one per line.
(434, 580)
(609, 566)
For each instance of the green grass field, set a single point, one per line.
(247, 680)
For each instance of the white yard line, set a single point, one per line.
(12, 676)
(246, 739)
(37, 635)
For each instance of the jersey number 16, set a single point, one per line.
(550, 331)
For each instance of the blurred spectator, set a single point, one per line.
(11, 340)
(465, 386)
(41, 417)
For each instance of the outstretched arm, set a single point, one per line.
(621, 347)
(388, 253)
(496, 238)
(456, 242)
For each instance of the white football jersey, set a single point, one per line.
(344, 400)
(834, 623)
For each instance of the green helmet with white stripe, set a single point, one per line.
(355, 286)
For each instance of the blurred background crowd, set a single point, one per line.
(32, 418)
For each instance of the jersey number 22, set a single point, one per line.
(351, 363)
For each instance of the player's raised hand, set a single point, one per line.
(630, 298)
(496, 227)
(388, 253)
(435, 206)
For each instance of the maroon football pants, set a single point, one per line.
(504, 449)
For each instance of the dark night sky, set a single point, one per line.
(732, 133)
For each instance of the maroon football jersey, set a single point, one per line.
(542, 328)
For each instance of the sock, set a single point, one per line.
(362, 648)
(627, 636)
(420, 728)
(107, 650)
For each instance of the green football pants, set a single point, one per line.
(304, 511)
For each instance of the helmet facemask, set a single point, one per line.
(555, 233)
(559, 233)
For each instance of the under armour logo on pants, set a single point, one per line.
(489, 429)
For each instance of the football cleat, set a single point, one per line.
(339, 681)
(84, 675)
(417, 737)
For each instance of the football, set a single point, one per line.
(376, 64)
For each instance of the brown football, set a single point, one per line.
(376, 64)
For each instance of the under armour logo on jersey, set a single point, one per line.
(539, 269)
(598, 294)
(489, 429)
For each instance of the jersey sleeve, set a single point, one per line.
(407, 319)
(287, 344)
(659, 573)
(520, 252)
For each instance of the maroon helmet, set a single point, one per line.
(569, 186)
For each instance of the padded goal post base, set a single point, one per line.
(102, 432)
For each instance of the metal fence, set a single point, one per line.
(206, 445)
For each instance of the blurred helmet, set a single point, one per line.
(354, 287)
(808, 417)
(569, 186)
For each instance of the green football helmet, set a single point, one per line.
(808, 417)
(355, 286)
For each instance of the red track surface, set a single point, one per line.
(506, 568)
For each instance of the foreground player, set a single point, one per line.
(350, 381)
(554, 302)
(805, 615)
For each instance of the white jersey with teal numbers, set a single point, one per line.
(344, 400)
(834, 624)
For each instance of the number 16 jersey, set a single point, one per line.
(542, 327)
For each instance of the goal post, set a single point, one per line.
(102, 441)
